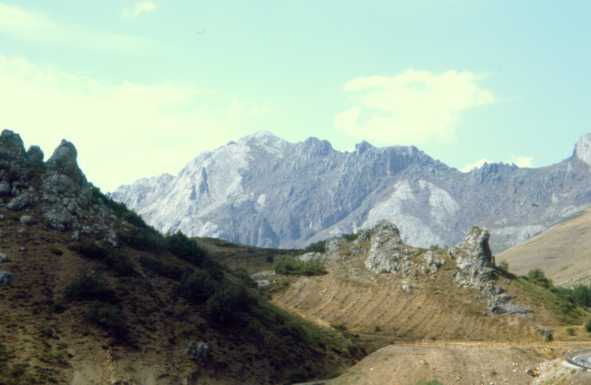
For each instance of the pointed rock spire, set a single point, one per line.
(65, 161)
(11, 145)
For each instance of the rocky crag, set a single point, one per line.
(471, 261)
(55, 192)
(268, 192)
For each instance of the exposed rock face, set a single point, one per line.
(387, 253)
(473, 258)
(57, 188)
(475, 268)
(265, 191)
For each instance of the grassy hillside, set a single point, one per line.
(562, 252)
(83, 312)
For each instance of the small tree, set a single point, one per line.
(539, 278)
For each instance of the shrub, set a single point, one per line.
(143, 238)
(159, 267)
(91, 250)
(3, 355)
(588, 326)
(89, 287)
(181, 246)
(290, 265)
(228, 304)
(432, 382)
(504, 266)
(118, 263)
(245, 278)
(351, 237)
(110, 318)
(197, 286)
(316, 247)
(539, 278)
(571, 331)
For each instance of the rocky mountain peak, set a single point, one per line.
(65, 161)
(11, 145)
(583, 149)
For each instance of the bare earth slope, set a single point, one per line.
(563, 252)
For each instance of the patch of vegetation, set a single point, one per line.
(351, 237)
(197, 286)
(143, 238)
(588, 326)
(229, 304)
(110, 318)
(316, 247)
(538, 277)
(158, 266)
(89, 287)
(558, 300)
(117, 262)
(504, 266)
(432, 382)
(570, 331)
(3, 355)
(290, 265)
(183, 247)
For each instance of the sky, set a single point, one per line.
(142, 87)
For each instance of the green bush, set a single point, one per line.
(159, 267)
(588, 326)
(432, 382)
(89, 287)
(228, 304)
(143, 238)
(119, 263)
(290, 265)
(316, 247)
(182, 246)
(571, 331)
(539, 278)
(197, 286)
(351, 237)
(110, 318)
(3, 355)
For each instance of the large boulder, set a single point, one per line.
(11, 146)
(65, 161)
(387, 252)
(473, 258)
(6, 278)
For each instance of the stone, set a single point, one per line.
(65, 161)
(5, 189)
(11, 146)
(473, 258)
(198, 351)
(20, 202)
(27, 220)
(387, 253)
(35, 155)
(6, 278)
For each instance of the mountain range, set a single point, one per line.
(262, 190)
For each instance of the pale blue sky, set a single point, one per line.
(143, 86)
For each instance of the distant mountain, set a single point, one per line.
(265, 191)
(563, 252)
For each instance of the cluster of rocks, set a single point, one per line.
(476, 268)
(389, 254)
(474, 263)
(55, 192)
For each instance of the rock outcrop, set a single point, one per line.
(387, 252)
(55, 192)
(473, 258)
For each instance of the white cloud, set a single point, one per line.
(140, 8)
(30, 25)
(123, 131)
(518, 160)
(411, 107)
